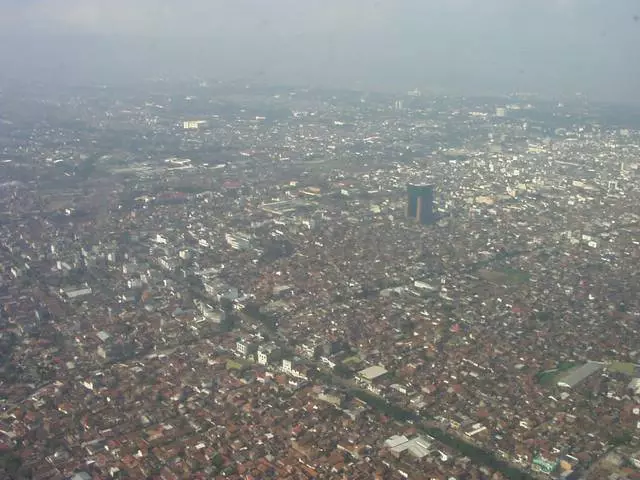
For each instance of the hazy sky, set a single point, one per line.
(466, 46)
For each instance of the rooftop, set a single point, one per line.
(371, 373)
(577, 375)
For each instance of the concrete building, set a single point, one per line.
(246, 348)
(238, 241)
(420, 203)
(193, 124)
(371, 374)
(417, 447)
(268, 354)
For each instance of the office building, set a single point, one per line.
(193, 124)
(420, 203)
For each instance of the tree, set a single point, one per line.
(10, 463)
(343, 371)
(217, 460)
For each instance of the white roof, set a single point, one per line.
(577, 375)
(78, 293)
(418, 447)
(373, 372)
(102, 335)
(396, 440)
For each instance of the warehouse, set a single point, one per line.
(579, 374)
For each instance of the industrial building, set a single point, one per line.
(418, 447)
(371, 374)
(579, 374)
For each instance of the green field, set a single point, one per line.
(550, 377)
(515, 275)
(622, 367)
(547, 377)
(233, 365)
(505, 276)
(350, 360)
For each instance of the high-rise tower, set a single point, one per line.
(420, 203)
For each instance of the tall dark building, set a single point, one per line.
(420, 203)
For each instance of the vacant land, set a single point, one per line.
(505, 276)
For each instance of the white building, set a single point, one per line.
(166, 263)
(193, 124)
(418, 447)
(268, 354)
(245, 348)
(71, 293)
(290, 367)
(207, 312)
(634, 386)
(287, 365)
(238, 241)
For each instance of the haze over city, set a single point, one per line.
(319, 240)
(551, 47)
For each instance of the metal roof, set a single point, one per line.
(577, 375)
(373, 372)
